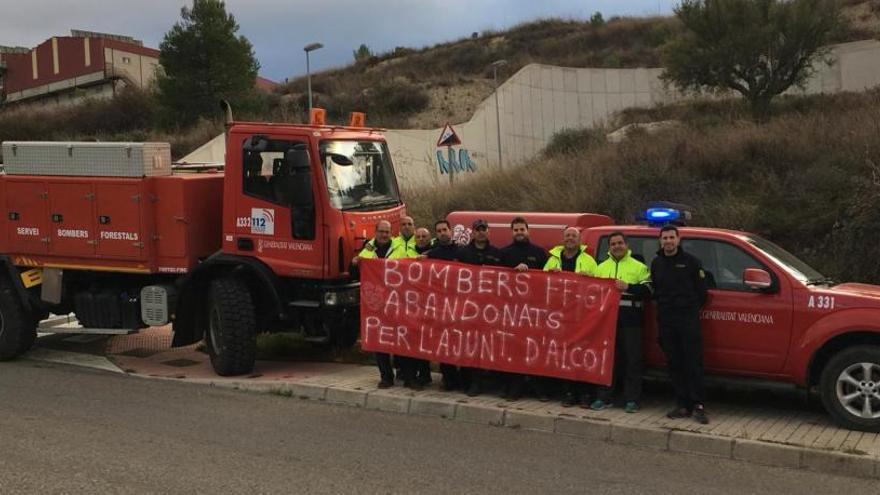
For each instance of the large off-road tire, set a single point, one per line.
(18, 331)
(231, 336)
(850, 388)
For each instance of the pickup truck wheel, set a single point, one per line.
(18, 331)
(850, 388)
(232, 328)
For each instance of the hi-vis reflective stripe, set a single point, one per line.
(32, 277)
(22, 261)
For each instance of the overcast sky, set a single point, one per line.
(279, 29)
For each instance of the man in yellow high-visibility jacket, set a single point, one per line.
(381, 247)
(572, 256)
(407, 239)
(633, 279)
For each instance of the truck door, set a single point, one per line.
(119, 220)
(265, 224)
(743, 330)
(70, 212)
(27, 217)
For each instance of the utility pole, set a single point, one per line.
(310, 48)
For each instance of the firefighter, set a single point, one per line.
(446, 250)
(572, 256)
(634, 280)
(407, 239)
(478, 252)
(521, 255)
(680, 291)
(424, 241)
(381, 247)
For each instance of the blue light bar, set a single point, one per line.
(662, 215)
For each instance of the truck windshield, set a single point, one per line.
(789, 262)
(359, 175)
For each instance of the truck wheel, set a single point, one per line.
(17, 329)
(850, 388)
(232, 328)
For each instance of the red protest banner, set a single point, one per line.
(537, 323)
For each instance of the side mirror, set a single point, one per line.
(757, 279)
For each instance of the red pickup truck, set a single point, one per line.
(769, 315)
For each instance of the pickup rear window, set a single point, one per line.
(723, 262)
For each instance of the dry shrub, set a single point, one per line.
(806, 180)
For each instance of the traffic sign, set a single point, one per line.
(448, 137)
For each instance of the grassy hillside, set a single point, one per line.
(427, 87)
(809, 179)
(405, 88)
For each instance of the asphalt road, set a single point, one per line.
(71, 430)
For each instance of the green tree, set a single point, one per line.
(596, 20)
(362, 54)
(758, 48)
(203, 60)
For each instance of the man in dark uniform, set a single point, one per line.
(522, 256)
(680, 291)
(446, 250)
(424, 241)
(478, 252)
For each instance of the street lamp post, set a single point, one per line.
(309, 48)
(495, 65)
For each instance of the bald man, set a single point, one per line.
(380, 246)
(572, 256)
(406, 241)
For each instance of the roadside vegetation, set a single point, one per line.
(809, 179)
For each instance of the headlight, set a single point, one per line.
(331, 298)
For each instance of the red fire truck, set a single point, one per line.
(769, 316)
(109, 232)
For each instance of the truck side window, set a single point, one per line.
(723, 263)
(263, 171)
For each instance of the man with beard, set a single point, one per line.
(521, 255)
(446, 250)
(680, 290)
(478, 252)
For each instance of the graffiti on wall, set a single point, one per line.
(457, 163)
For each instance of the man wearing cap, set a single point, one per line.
(478, 252)
(571, 256)
(634, 281)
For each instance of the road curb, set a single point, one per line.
(673, 440)
(481, 411)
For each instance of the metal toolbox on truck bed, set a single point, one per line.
(87, 159)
